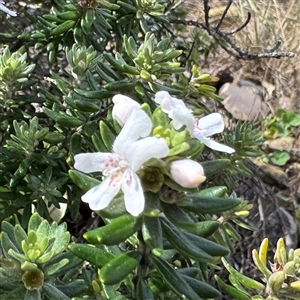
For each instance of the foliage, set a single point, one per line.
(32, 263)
(283, 124)
(280, 278)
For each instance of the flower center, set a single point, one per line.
(116, 168)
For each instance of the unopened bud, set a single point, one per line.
(276, 280)
(187, 173)
(290, 268)
(242, 213)
(295, 285)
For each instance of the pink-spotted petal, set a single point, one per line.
(133, 195)
(91, 162)
(211, 124)
(137, 125)
(100, 196)
(215, 145)
(142, 150)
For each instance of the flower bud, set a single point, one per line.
(289, 268)
(123, 108)
(295, 285)
(187, 173)
(276, 280)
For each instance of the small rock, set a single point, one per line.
(243, 102)
(271, 174)
(288, 144)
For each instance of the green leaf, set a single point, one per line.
(63, 119)
(143, 290)
(94, 255)
(32, 295)
(210, 205)
(232, 291)
(180, 241)
(83, 181)
(54, 293)
(107, 134)
(215, 191)
(75, 143)
(216, 166)
(34, 222)
(280, 158)
(174, 281)
(202, 289)
(53, 268)
(73, 288)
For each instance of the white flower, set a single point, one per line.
(176, 110)
(187, 173)
(120, 167)
(123, 107)
(210, 125)
(6, 10)
(201, 129)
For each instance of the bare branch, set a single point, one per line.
(276, 46)
(225, 41)
(206, 15)
(242, 26)
(224, 15)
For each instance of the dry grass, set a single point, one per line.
(272, 20)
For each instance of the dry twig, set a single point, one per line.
(225, 41)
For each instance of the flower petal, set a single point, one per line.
(210, 124)
(176, 110)
(123, 107)
(100, 196)
(133, 195)
(6, 10)
(161, 96)
(182, 117)
(91, 162)
(137, 125)
(142, 150)
(214, 145)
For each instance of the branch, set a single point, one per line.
(225, 41)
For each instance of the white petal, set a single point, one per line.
(182, 117)
(6, 10)
(123, 108)
(91, 162)
(133, 195)
(176, 110)
(215, 145)
(168, 103)
(100, 196)
(160, 96)
(211, 124)
(137, 125)
(142, 150)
